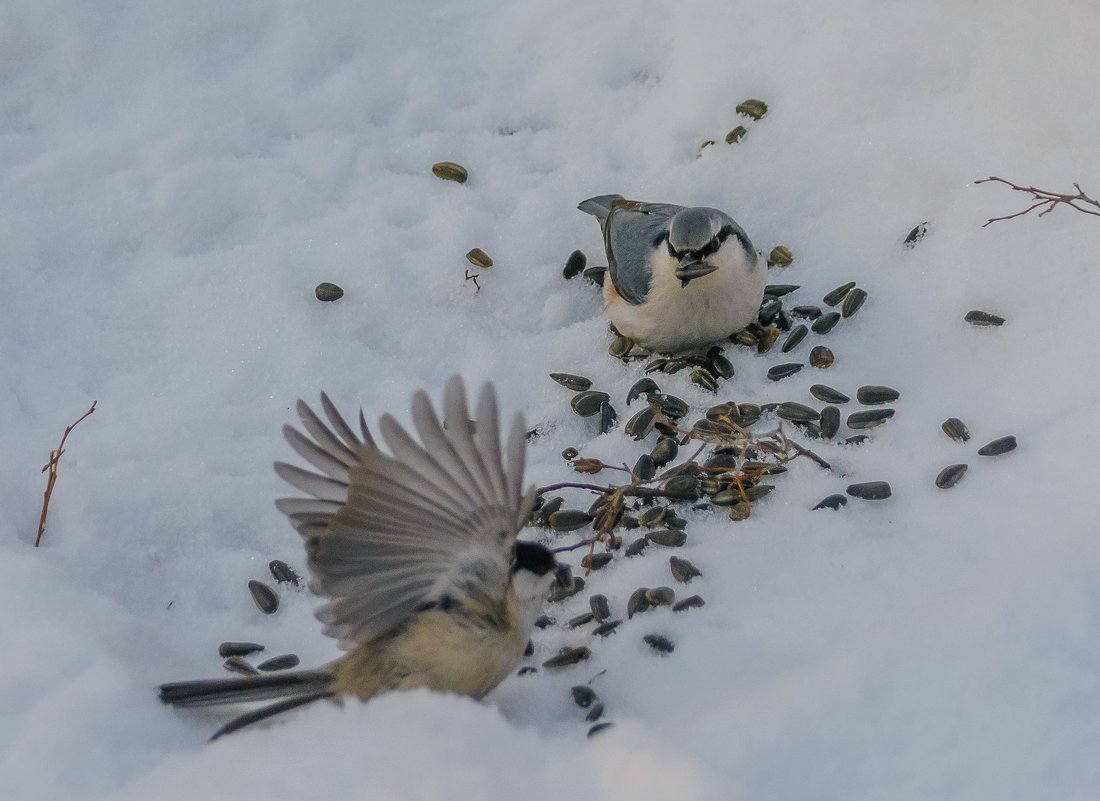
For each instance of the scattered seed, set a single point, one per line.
(577, 383)
(870, 490)
(740, 511)
(589, 402)
(449, 171)
(830, 422)
(638, 602)
(824, 324)
(607, 417)
(735, 135)
(832, 502)
(809, 312)
(660, 596)
(560, 593)
(703, 378)
(479, 258)
(872, 395)
(283, 573)
(543, 621)
(635, 548)
(598, 728)
(673, 407)
(858, 439)
(659, 643)
(655, 366)
(950, 476)
(827, 394)
(780, 257)
(643, 386)
(744, 337)
(975, 317)
(328, 292)
(580, 620)
(264, 596)
(693, 602)
(753, 108)
(853, 302)
(838, 294)
(568, 519)
(998, 446)
(596, 561)
(683, 570)
(588, 466)
(601, 609)
(869, 418)
(567, 657)
(238, 648)
(781, 371)
(956, 429)
(721, 366)
(284, 662)
(915, 236)
(779, 290)
(574, 265)
(821, 356)
(672, 538)
(595, 275)
(797, 412)
(769, 310)
(796, 336)
(594, 713)
(653, 516)
(237, 664)
(766, 339)
(583, 696)
(620, 346)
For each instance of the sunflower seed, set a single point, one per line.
(568, 519)
(956, 429)
(779, 290)
(574, 265)
(594, 713)
(796, 336)
(769, 311)
(832, 502)
(853, 302)
(781, 371)
(673, 407)
(858, 439)
(560, 593)
(636, 547)
(589, 402)
(643, 386)
(747, 414)
(915, 236)
(870, 490)
(753, 108)
(659, 643)
(766, 339)
(264, 596)
(693, 602)
(683, 570)
(479, 258)
(283, 573)
(595, 275)
(449, 171)
(998, 446)
(577, 383)
(580, 620)
(284, 662)
(653, 516)
(601, 609)
(598, 728)
(869, 418)
(638, 602)
(975, 317)
(721, 366)
(950, 476)
(797, 412)
(607, 417)
(824, 324)
(583, 696)
(784, 321)
(672, 538)
(655, 366)
(548, 508)
(808, 312)
(645, 468)
(327, 291)
(620, 346)
(672, 521)
(838, 294)
(821, 356)
(673, 366)
(827, 394)
(740, 511)
(596, 561)
(872, 395)
(237, 664)
(702, 377)
(780, 257)
(567, 657)
(830, 421)
(735, 135)
(604, 629)
(660, 596)
(238, 648)
(744, 337)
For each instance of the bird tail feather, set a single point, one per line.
(206, 692)
(599, 206)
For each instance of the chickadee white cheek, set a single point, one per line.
(531, 590)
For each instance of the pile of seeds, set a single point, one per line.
(267, 601)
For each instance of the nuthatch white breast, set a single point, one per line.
(680, 279)
(416, 552)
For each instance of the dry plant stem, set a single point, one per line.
(1045, 198)
(565, 548)
(631, 490)
(55, 457)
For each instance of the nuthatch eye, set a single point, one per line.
(681, 278)
(416, 553)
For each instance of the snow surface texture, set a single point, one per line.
(178, 177)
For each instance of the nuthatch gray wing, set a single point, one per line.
(416, 552)
(680, 278)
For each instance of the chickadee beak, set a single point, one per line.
(692, 270)
(563, 576)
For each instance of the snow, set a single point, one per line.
(177, 179)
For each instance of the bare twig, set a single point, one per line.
(55, 457)
(1045, 198)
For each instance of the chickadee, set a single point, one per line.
(681, 278)
(416, 552)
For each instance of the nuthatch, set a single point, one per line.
(416, 552)
(680, 278)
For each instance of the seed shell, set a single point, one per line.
(577, 383)
(824, 324)
(598, 728)
(838, 294)
(683, 570)
(915, 236)
(659, 643)
(735, 135)
(284, 662)
(237, 664)
(594, 713)
(264, 596)
(832, 502)
(596, 561)
(998, 446)
(693, 602)
(869, 418)
(721, 366)
(327, 291)
(976, 317)
(449, 171)
(560, 593)
(870, 490)
(673, 407)
(781, 371)
(589, 402)
(607, 417)
(643, 386)
(766, 339)
(702, 377)
(238, 648)
(574, 265)
(479, 258)
(669, 537)
(583, 696)
(753, 108)
(635, 548)
(638, 602)
(645, 468)
(580, 620)
(660, 596)
(956, 429)
(601, 609)
(780, 256)
(853, 302)
(821, 356)
(740, 511)
(283, 573)
(798, 333)
(871, 395)
(620, 346)
(769, 310)
(595, 275)
(950, 476)
(830, 421)
(567, 657)
(604, 629)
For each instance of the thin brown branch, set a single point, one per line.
(55, 457)
(1046, 198)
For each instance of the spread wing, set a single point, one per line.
(631, 229)
(387, 535)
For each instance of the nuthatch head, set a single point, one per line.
(680, 278)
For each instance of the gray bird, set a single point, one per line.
(681, 278)
(416, 553)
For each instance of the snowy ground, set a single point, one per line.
(177, 178)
